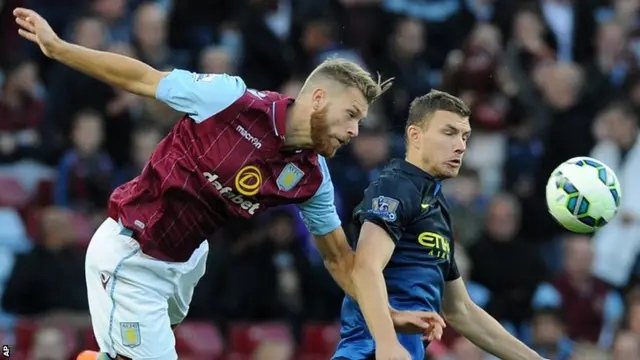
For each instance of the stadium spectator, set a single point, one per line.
(506, 264)
(50, 277)
(618, 149)
(549, 337)
(590, 308)
(86, 172)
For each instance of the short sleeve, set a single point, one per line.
(389, 202)
(453, 273)
(319, 213)
(199, 95)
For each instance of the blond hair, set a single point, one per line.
(352, 75)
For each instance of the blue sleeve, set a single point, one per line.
(319, 213)
(389, 202)
(61, 190)
(199, 95)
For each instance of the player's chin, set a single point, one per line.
(328, 149)
(449, 170)
(328, 152)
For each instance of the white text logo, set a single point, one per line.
(228, 193)
(252, 139)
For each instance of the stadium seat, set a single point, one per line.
(12, 194)
(245, 338)
(44, 193)
(197, 340)
(13, 235)
(24, 332)
(17, 355)
(32, 223)
(319, 341)
(88, 340)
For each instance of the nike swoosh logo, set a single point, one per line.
(424, 206)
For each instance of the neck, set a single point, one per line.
(298, 129)
(628, 142)
(416, 160)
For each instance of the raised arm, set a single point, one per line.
(198, 95)
(117, 70)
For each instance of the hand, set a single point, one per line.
(36, 29)
(391, 351)
(430, 324)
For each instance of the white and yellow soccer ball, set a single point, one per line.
(583, 194)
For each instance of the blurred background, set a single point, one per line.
(546, 80)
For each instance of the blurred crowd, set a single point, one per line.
(546, 80)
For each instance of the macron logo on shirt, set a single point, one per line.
(252, 139)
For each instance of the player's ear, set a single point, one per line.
(318, 98)
(413, 134)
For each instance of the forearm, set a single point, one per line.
(485, 332)
(370, 288)
(340, 270)
(339, 258)
(114, 69)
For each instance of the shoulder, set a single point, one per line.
(392, 192)
(395, 183)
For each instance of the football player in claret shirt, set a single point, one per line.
(406, 250)
(235, 153)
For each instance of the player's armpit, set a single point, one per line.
(338, 258)
(124, 72)
(480, 328)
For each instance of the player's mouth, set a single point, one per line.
(454, 162)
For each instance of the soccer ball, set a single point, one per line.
(583, 194)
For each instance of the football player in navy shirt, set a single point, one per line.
(235, 153)
(405, 252)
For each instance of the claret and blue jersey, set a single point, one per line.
(408, 204)
(224, 159)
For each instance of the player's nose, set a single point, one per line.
(352, 131)
(461, 145)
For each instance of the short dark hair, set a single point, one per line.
(423, 107)
(623, 108)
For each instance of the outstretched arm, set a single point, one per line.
(117, 70)
(476, 325)
(198, 95)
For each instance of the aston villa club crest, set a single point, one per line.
(289, 177)
(130, 334)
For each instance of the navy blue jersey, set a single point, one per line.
(408, 204)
